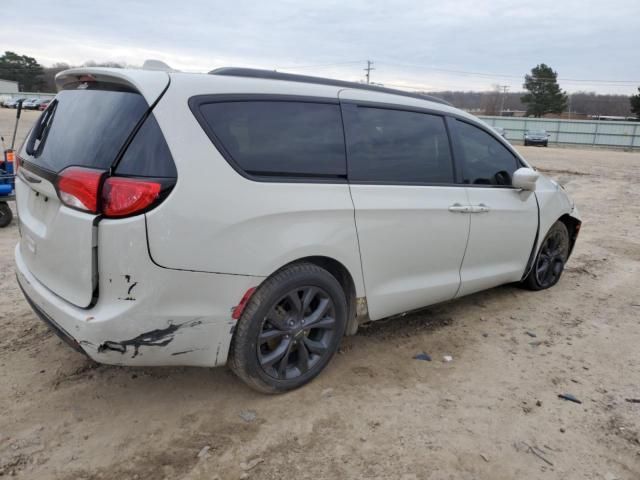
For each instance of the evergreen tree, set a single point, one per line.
(545, 95)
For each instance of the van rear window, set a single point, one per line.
(281, 138)
(84, 128)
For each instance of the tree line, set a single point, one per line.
(33, 77)
(542, 94)
(490, 102)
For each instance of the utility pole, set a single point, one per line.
(505, 89)
(368, 70)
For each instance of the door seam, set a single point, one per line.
(353, 203)
(466, 245)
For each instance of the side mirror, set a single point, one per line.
(525, 179)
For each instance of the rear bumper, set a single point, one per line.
(170, 317)
(49, 322)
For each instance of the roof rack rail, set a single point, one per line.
(291, 77)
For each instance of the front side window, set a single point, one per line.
(395, 146)
(485, 160)
(281, 138)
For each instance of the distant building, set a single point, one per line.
(8, 86)
(513, 113)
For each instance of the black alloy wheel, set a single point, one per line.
(296, 333)
(551, 258)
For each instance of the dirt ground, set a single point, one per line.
(491, 413)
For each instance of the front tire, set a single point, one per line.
(552, 256)
(290, 329)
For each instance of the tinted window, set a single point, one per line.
(397, 146)
(83, 127)
(486, 160)
(148, 154)
(280, 138)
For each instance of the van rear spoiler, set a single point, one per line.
(150, 84)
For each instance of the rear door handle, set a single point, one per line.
(456, 207)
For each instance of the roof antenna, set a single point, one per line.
(157, 65)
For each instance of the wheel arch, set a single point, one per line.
(573, 225)
(357, 306)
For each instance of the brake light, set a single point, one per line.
(78, 188)
(123, 196)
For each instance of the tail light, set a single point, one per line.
(78, 188)
(123, 196)
(84, 189)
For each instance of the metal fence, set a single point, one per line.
(572, 132)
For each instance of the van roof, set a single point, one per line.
(291, 77)
(152, 83)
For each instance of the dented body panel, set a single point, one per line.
(553, 204)
(145, 314)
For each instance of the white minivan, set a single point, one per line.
(254, 218)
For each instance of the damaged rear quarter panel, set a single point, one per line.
(150, 315)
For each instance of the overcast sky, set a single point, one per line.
(427, 45)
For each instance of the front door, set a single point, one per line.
(504, 220)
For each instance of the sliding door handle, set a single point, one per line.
(456, 207)
(481, 208)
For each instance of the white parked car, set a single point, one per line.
(31, 103)
(254, 218)
(12, 102)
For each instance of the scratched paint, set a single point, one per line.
(160, 337)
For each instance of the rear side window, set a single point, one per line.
(279, 137)
(395, 146)
(486, 160)
(83, 128)
(148, 154)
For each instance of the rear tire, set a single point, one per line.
(552, 256)
(6, 215)
(290, 329)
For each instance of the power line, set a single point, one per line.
(319, 65)
(494, 75)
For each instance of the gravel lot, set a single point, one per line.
(491, 413)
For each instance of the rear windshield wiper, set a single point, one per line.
(41, 130)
